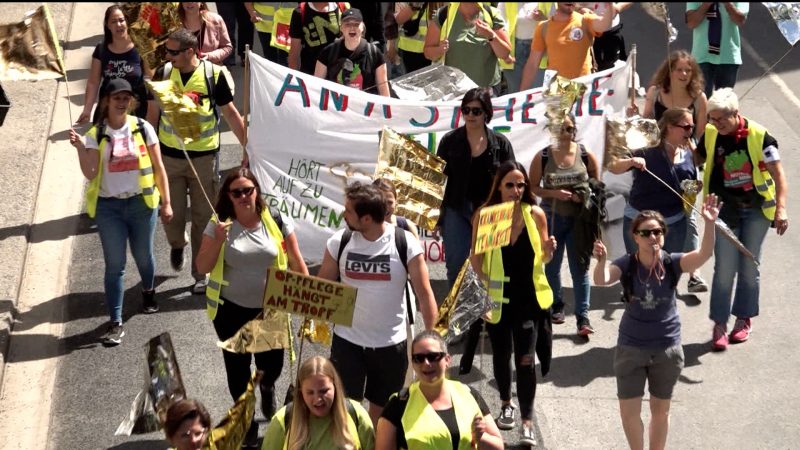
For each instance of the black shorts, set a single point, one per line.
(382, 369)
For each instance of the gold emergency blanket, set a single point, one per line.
(417, 174)
(560, 95)
(658, 10)
(623, 135)
(466, 302)
(149, 26)
(317, 331)
(181, 110)
(29, 50)
(230, 432)
(260, 335)
(163, 385)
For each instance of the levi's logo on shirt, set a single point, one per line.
(367, 267)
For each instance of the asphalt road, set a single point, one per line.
(740, 398)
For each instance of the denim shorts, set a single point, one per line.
(660, 367)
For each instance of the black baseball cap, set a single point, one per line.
(118, 85)
(352, 14)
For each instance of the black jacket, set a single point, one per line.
(454, 149)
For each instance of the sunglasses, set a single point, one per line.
(175, 52)
(241, 192)
(475, 111)
(567, 129)
(520, 185)
(431, 357)
(685, 127)
(647, 233)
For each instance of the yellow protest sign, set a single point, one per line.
(310, 296)
(494, 227)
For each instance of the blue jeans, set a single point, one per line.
(674, 240)
(119, 221)
(457, 236)
(719, 76)
(692, 233)
(522, 51)
(729, 264)
(561, 228)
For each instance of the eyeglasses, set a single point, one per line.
(241, 192)
(475, 111)
(647, 233)
(194, 434)
(520, 185)
(175, 52)
(686, 127)
(431, 357)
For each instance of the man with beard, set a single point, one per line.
(377, 258)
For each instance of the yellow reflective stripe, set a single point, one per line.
(768, 204)
(211, 132)
(148, 190)
(146, 171)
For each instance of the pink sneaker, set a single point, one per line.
(741, 330)
(719, 339)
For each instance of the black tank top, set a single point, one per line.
(518, 266)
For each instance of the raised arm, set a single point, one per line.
(604, 274)
(602, 25)
(696, 16)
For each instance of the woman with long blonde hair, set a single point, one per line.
(321, 417)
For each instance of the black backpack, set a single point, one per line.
(626, 278)
(101, 131)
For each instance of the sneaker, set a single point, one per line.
(505, 421)
(584, 326)
(199, 287)
(697, 284)
(558, 316)
(741, 330)
(719, 338)
(149, 304)
(527, 437)
(176, 259)
(113, 335)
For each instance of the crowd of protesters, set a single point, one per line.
(140, 168)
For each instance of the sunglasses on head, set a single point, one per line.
(431, 357)
(647, 233)
(241, 192)
(174, 52)
(512, 185)
(475, 111)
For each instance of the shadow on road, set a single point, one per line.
(51, 230)
(142, 445)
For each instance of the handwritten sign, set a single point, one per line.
(309, 296)
(494, 227)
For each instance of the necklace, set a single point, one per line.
(655, 271)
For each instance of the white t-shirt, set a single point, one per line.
(120, 177)
(525, 23)
(376, 270)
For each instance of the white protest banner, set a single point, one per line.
(309, 138)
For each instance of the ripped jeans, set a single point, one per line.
(521, 331)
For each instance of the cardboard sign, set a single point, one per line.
(309, 296)
(494, 227)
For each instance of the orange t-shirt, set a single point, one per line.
(567, 44)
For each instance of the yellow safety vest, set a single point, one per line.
(147, 180)
(511, 19)
(416, 43)
(493, 267)
(280, 28)
(423, 427)
(351, 425)
(762, 180)
(216, 280)
(208, 119)
(266, 11)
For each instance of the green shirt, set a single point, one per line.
(319, 435)
(730, 51)
(470, 52)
